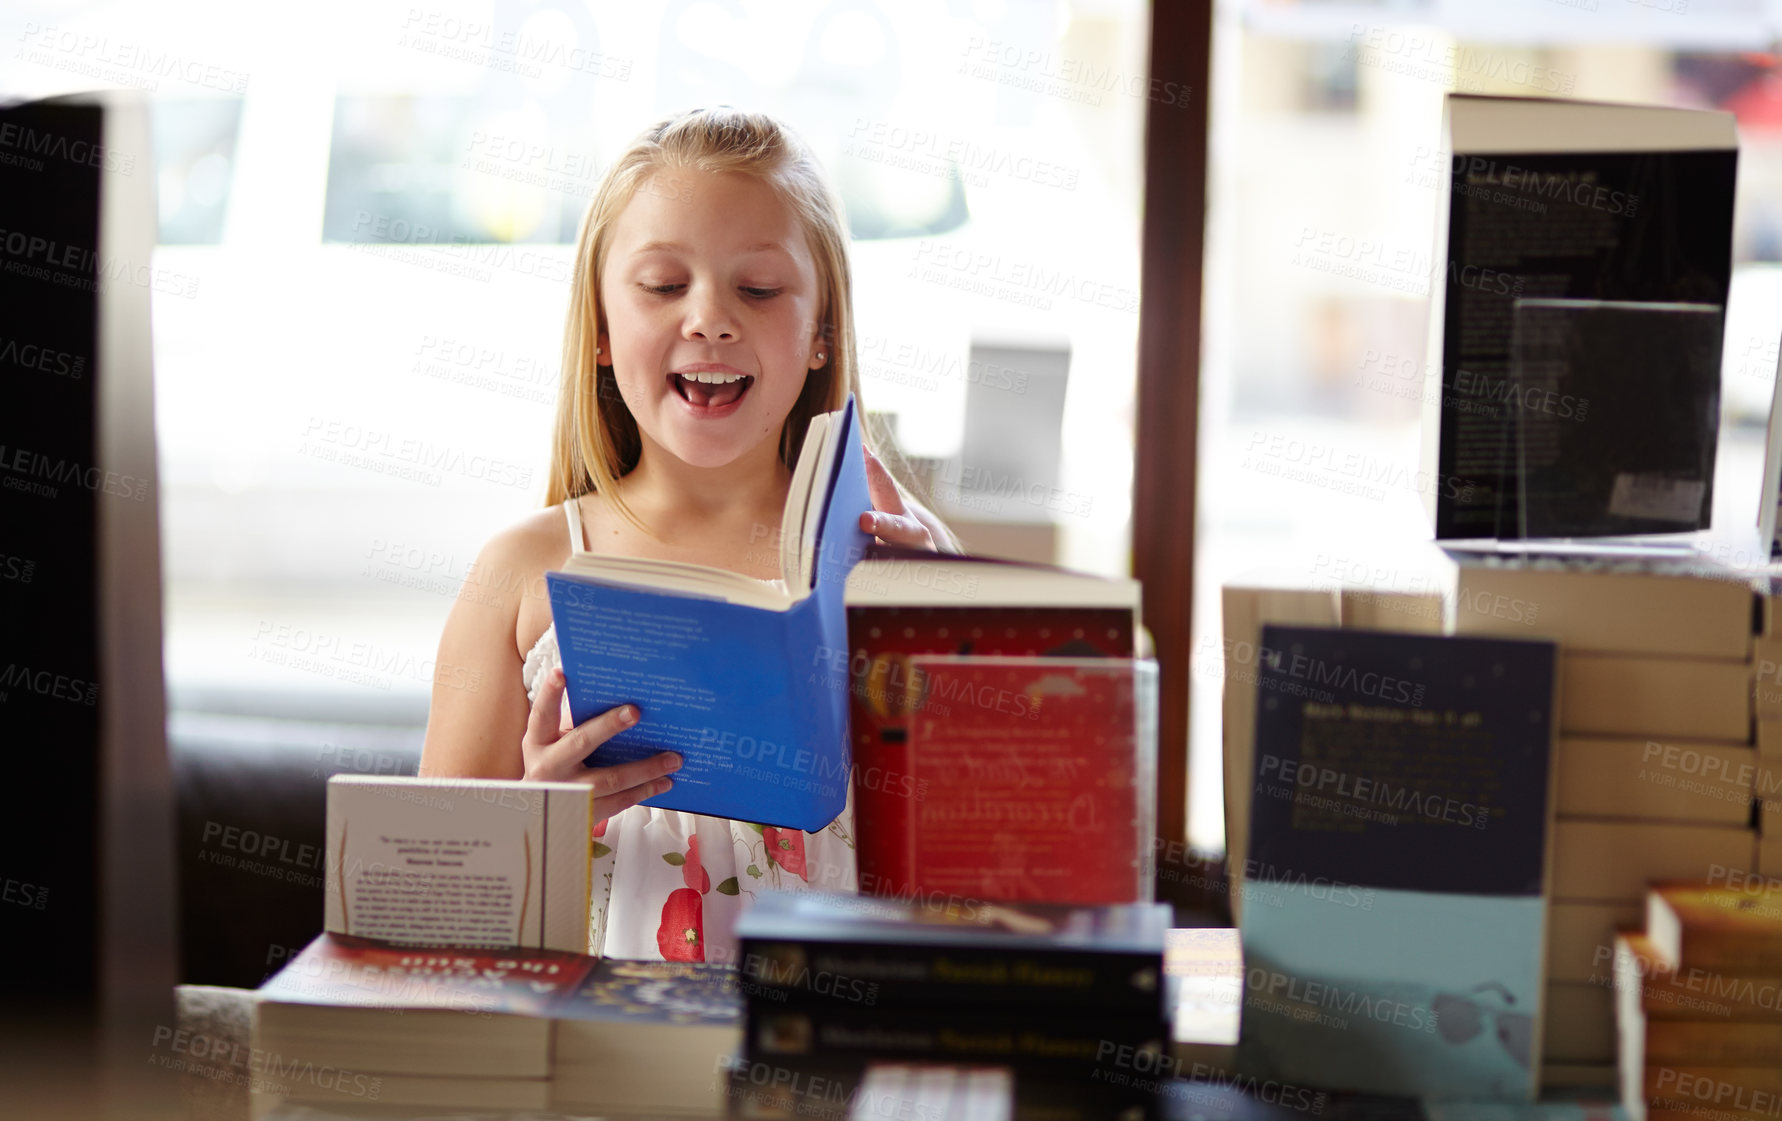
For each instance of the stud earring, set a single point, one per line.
(820, 357)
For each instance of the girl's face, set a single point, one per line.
(711, 301)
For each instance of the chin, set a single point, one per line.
(700, 443)
(705, 453)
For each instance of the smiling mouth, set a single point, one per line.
(711, 391)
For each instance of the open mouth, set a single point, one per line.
(711, 390)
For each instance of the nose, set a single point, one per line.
(709, 317)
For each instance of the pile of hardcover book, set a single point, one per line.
(1004, 730)
(1699, 1002)
(1656, 756)
(1069, 1000)
(356, 1022)
(516, 1019)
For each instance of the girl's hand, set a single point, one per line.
(889, 520)
(552, 754)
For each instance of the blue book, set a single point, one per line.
(735, 675)
(1394, 910)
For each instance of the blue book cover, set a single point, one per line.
(1394, 910)
(745, 694)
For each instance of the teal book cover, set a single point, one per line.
(1394, 912)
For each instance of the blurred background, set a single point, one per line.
(366, 218)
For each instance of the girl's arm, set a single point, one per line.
(479, 708)
(480, 724)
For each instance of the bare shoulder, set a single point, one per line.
(512, 564)
(479, 706)
(536, 541)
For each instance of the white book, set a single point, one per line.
(459, 862)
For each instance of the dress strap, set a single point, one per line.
(572, 508)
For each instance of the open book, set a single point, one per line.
(812, 493)
(731, 673)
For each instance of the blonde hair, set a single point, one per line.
(595, 441)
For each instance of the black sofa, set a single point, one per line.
(251, 791)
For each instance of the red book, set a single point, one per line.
(362, 1005)
(337, 969)
(917, 810)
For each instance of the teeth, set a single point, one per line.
(713, 378)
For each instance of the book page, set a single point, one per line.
(799, 498)
(826, 488)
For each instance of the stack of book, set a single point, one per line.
(1699, 1003)
(1656, 759)
(1004, 730)
(1658, 756)
(354, 1022)
(447, 975)
(1070, 999)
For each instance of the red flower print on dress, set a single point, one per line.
(785, 847)
(681, 937)
(600, 829)
(693, 872)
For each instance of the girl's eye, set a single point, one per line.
(662, 289)
(761, 293)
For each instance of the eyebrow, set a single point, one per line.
(676, 247)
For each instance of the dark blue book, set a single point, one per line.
(1394, 911)
(928, 951)
(732, 673)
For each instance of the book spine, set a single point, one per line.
(1110, 1049)
(1708, 1043)
(1732, 952)
(808, 974)
(819, 639)
(1703, 994)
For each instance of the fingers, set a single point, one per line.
(638, 772)
(613, 804)
(890, 520)
(897, 529)
(556, 756)
(636, 780)
(880, 485)
(564, 757)
(541, 723)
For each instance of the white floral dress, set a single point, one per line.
(669, 885)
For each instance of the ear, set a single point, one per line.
(604, 355)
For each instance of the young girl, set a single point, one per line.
(709, 320)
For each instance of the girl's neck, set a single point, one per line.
(672, 495)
